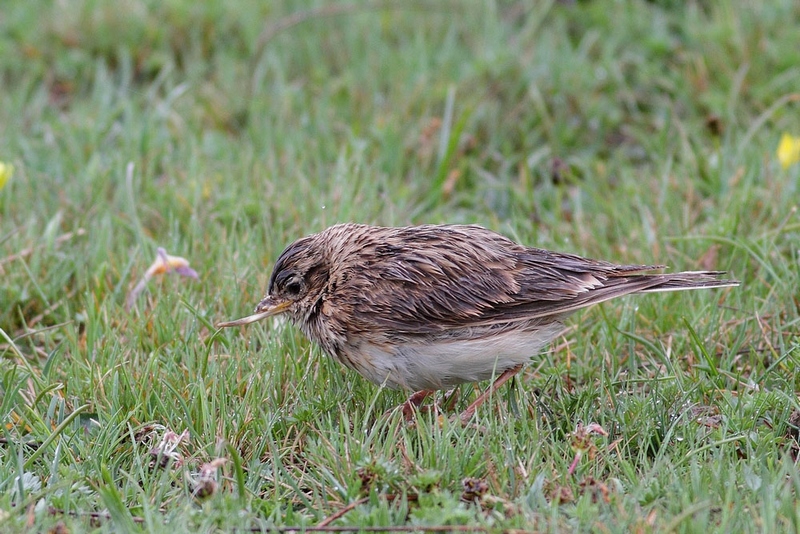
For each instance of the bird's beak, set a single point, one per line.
(266, 308)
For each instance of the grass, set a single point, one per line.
(642, 132)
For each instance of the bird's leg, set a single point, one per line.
(410, 406)
(507, 375)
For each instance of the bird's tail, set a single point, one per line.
(685, 280)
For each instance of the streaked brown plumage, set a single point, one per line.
(429, 307)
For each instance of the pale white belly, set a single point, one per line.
(444, 364)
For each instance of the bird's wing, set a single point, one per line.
(431, 279)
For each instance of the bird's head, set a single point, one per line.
(296, 286)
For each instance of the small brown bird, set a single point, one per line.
(429, 307)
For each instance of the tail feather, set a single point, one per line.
(686, 280)
(613, 287)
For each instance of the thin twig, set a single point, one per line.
(35, 320)
(30, 250)
(30, 444)
(331, 518)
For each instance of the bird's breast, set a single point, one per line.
(440, 363)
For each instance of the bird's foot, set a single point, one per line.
(505, 376)
(410, 407)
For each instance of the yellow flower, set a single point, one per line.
(788, 150)
(6, 170)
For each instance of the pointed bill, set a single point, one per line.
(245, 320)
(266, 308)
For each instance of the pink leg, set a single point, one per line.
(410, 406)
(507, 375)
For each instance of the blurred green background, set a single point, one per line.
(639, 132)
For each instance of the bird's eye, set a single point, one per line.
(293, 287)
